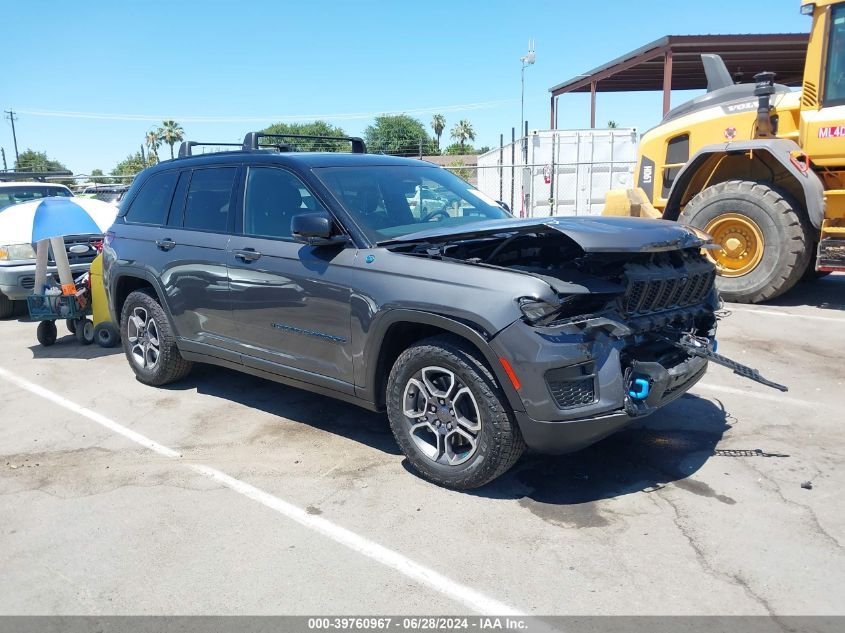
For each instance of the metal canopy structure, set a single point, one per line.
(674, 62)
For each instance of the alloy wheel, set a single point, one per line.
(443, 416)
(142, 334)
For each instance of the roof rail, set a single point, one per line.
(252, 140)
(185, 149)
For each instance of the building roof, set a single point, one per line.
(744, 55)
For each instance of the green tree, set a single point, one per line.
(400, 135)
(171, 133)
(463, 131)
(153, 141)
(97, 173)
(317, 128)
(129, 167)
(456, 149)
(30, 160)
(612, 124)
(438, 124)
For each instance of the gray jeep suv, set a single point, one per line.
(479, 333)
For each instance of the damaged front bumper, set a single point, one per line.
(578, 387)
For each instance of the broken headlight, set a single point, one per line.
(536, 311)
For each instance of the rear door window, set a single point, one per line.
(151, 204)
(209, 199)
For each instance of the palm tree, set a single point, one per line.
(463, 131)
(438, 124)
(152, 140)
(171, 133)
(612, 124)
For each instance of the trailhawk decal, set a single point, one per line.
(832, 131)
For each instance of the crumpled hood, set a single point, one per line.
(594, 234)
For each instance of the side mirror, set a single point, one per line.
(314, 229)
(504, 205)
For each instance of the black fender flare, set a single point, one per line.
(778, 149)
(480, 341)
(117, 272)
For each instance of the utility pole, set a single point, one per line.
(11, 118)
(527, 60)
(3, 152)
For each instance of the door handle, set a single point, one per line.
(247, 255)
(166, 244)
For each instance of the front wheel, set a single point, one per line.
(148, 341)
(449, 416)
(763, 234)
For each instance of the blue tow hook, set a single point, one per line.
(639, 389)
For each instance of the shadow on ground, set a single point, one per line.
(66, 346)
(297, 405)
(668, 446)
(827, 293)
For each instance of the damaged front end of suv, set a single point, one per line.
(626, 325)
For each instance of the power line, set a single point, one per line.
(259, 119)
(12, 118)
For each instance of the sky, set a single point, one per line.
(225, 68)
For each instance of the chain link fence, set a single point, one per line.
(556, 172)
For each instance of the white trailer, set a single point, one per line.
(568, 172)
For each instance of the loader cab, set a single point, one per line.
(822, 133)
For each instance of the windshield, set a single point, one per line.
(391, 201)
(834, 92)
(24, 193)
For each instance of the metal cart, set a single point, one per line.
(74, 309)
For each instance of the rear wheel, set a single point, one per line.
(148, 341)
(763, 234)
(449, 415)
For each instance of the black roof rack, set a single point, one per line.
(185, 149)
(252, 141)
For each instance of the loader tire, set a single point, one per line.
(765, 237)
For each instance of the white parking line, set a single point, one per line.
(777, 313)
(453, 590)
(772, 397)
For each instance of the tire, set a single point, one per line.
(106, 334)
(7, 307)
(46, 333)
(71, 325)
(784, 229)
(84, 331)
(498, 442)
(154, 368)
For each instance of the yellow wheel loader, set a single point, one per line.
(758, 166)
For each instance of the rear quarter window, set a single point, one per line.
(152, 203)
